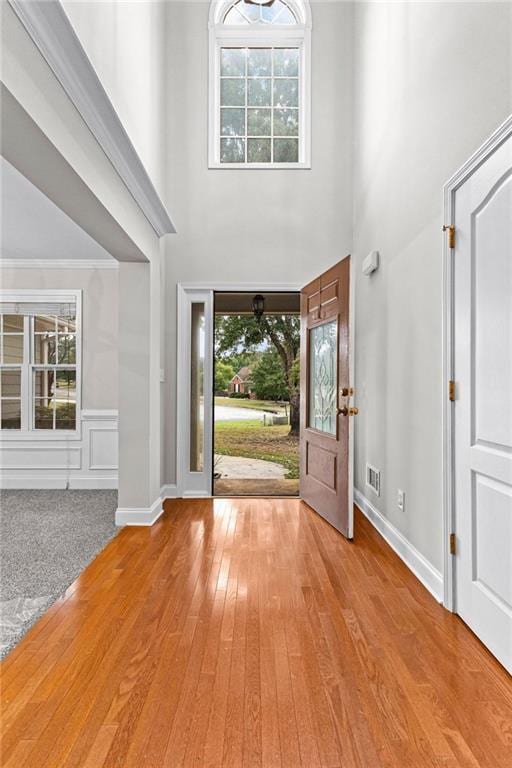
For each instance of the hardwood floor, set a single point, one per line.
(248, 632)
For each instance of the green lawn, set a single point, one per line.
(254, 441)
(260, 405)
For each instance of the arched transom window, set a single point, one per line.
(259, 114)
(276, 12)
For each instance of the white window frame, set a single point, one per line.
(27, 431)
(260, 36)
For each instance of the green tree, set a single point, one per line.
(269, 377)
(244, 333)
(224, 372)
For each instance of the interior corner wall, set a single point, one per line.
(432, 82)
(280, 226)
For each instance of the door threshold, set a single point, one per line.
(254, 496)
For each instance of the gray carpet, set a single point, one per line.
(47, 538)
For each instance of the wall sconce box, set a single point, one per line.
(371, 263)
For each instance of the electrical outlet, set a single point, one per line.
(401, 500)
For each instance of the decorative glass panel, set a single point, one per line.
(323, 380)
(286, 150)
(197, 352)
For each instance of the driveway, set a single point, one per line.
(232, 413)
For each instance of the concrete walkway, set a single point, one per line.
(240, 468)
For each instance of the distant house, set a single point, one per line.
(241, 382)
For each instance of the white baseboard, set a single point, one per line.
(139, 515)
(429, 576)
(169, 491)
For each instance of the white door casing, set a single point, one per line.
(194, 483)
(482, 429)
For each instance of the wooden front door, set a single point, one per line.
(325, 397)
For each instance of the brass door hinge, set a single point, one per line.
(451, 234)
(451, 390)
(453, 544)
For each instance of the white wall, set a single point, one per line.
(432, 81)
(125, 42)
(99, 324)
(251, 225)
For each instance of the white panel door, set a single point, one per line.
(483, 406)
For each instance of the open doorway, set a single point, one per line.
(256, 410)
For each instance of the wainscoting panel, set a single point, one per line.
(90, 461)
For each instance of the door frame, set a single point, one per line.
(192, 484)
(448, 371)
(203, 291)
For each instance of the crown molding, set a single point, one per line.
(52, 32)
(59, 264)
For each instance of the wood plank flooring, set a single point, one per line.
(247, 632)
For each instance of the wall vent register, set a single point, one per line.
(373, 479)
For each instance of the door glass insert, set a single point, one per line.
(197, 351)
(323, 363)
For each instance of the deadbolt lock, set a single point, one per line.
(347, 392)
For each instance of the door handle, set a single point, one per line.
(348, 411)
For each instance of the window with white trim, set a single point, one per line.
(39, 362)
(259, 111)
